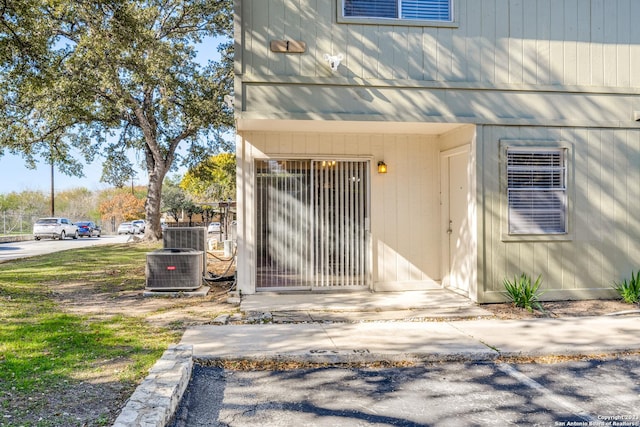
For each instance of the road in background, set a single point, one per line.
(29, 248)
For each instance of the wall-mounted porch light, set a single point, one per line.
(382, 167)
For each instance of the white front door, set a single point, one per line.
(455, 215)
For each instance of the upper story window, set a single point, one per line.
(413, 10)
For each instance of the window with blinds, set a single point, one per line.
(537, 191)
(427, 10)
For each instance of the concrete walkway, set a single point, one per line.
(473, 340)
(477, 338)
(362, 306)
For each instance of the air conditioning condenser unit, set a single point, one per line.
(187, 238)
(174, 269)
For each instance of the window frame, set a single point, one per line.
(531, 147)
(453, 23)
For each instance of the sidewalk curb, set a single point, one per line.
(17, 238)
(595, 353)
(338, 359)
(345, 358)
(156, 399)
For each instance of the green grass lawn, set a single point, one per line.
(44, 350)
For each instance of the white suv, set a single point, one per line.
(139, 224)
(54, 228)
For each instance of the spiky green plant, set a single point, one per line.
(629, 290)
(523, 293)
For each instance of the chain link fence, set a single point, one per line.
(17, 222)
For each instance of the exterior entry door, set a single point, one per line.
(455, 208)
(312, 218)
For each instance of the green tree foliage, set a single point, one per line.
(212, 180)
(192, 209)
(108, 76)
(117, 169)
(174, 199)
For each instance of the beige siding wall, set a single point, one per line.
(537, 42)
(572, 63)
(519, 69)
(604, 226)
(405, 211)
(405, 204)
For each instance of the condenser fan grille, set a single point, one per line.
(172, 269)
(187, 238)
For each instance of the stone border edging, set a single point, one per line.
(17, 238)
(156, 399)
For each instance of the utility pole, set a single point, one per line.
(53, 204)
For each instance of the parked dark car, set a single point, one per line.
(88, 229)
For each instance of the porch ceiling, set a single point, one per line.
(341, 126)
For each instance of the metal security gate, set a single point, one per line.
(312, 219)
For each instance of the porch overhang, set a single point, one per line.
(329, 125)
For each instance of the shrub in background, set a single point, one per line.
(523, 293)
(629, 290)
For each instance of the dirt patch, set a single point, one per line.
(508, 311)
(173, 310)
